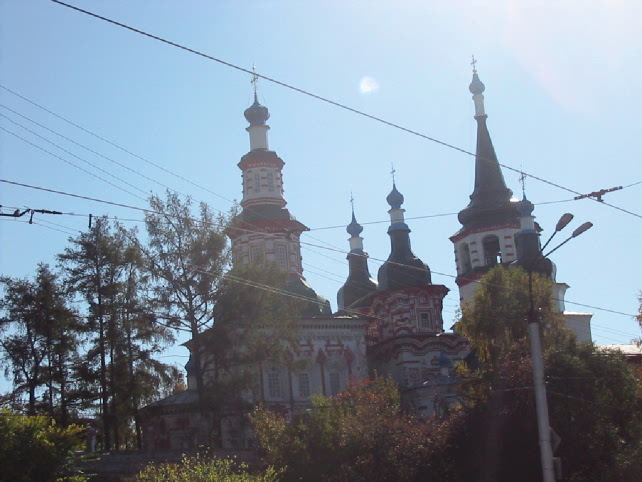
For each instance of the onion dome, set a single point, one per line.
(525, 207)
(354, 229)
(257, 114)
(395, 198)
(403, 268)
(476, 86)
(359, 283)
(529, 250)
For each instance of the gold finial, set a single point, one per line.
(474, 64)
(392, 171)
(255, 79)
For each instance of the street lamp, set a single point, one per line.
(541, 405)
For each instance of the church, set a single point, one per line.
(391, 326)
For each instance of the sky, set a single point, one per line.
(562, 96)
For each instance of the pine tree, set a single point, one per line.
(187, 257)
(41, 334)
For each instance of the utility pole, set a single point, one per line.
(539, 385)
(530, 255)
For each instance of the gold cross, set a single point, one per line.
(474, 64)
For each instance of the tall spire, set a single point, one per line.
(490, 200)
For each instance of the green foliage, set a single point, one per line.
(593, 395)
(496, 319)
(204, 469)
(186, 258)
(34, 448)
(358, 435)
(253, 323)
(40, 335)
(105, 267)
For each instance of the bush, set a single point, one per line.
(33, 448)
(357, 435)
(202, 468)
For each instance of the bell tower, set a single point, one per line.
(265, 231)
(490, 221)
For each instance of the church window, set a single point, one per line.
(270, 180)
(335, 383)
(281, 253)
(274, 385)
(464, 256)
(425, 320)
(256, 254)
(257, 182)
(304, 385)
(492, 253)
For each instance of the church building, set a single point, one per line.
(392, 326)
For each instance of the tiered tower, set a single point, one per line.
(265, 231)
(359, 283)
(407, 338)
(490, 221)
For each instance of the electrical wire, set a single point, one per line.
(72, 164)
(302, 242)
(334, 103)
(74, 155)
(113, 144)
(91, 150)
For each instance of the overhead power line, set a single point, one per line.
(250, 231)
(254, 74)
(89, 149)
(72, 164)
(113, 144)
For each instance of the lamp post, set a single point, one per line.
(539, 385)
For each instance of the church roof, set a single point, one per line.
(402, 268)
(490, 202)
(256, 114)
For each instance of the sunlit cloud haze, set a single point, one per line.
(572, 48)
(368, 85)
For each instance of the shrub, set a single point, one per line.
(34, 448)
(203, 468)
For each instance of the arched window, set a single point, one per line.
(464, 257)
(492, 253)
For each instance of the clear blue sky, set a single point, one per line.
(562, 94)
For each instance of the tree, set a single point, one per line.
(496, 320)
(358, 435)
(186, 257)
(105, 266)
(254, 321)
(593, 400)
(41, 334)
(92, 266)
